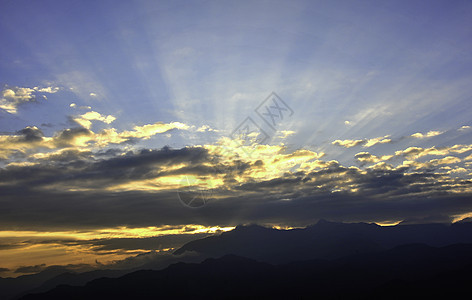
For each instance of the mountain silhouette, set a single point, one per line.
(10, 287)
(13, 288)
(322, 246)
(407, 271)
(325, 240)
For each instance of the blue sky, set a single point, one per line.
(388, 68)
(380, 93)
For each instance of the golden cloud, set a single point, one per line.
(12, 97)
(31, 140)
(426, 135)
(366, 157)
(417, 152)
(366, 143)
(85, 119)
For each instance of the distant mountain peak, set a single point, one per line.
(251, 227)
(324, 222)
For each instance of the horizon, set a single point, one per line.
(25, 270)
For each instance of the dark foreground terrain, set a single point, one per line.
(410, 271)
(324, 261)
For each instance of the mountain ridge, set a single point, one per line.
(409, 269)
(325, 240)
(321, 242)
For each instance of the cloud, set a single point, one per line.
(364, 142)
(85, 119)
(426, 135)
(205, 128)
(366, 157)
(73, 105)
(272, 184)
(149, 130)
(63, 155)
(31, 134)
(31, 139)
(51, 171)
(445, 161)
(13, 97)
(458, 170)
(144, 243)
(72, 137)
(285, 133)
(28, 138)
(49, 89)
(417, 152)
(111, 136)
(379, 140)
(31, 269)
(73, 180)
(348, 143)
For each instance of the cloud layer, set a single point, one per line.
(13, 97)
(72, 187)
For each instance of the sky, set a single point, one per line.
(134, 126)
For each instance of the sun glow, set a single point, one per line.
(77, 246)
(119, 232)
(388, 223)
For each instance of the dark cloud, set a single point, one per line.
(31, 269)
(127, 244)
(163, 157)
(68, 136)
(151, 243)
(102, 172)
(69, 155)
(363, 155)
(70, 193)
(31, 134)
(11, 245)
